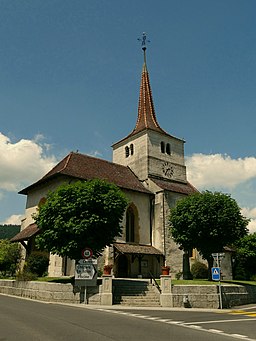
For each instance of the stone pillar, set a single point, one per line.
(166, 291)
(106, 290)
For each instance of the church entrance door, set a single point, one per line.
(122, 266)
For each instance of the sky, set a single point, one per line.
(70, 75)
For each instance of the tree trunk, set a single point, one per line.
(186, 266)
(210, 265)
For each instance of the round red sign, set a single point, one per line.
(87, 253)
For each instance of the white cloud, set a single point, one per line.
(250, 213)
(22, 162)
(95, 153)
(219, 171)
(252, 226)
(14, 219)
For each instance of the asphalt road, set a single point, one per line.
(22, 319)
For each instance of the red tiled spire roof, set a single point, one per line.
(146, 112)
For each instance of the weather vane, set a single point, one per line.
(144, 42)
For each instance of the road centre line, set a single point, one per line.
(239, 335)
(220, 321)
(215, 331)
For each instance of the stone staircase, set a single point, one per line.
(135, 293)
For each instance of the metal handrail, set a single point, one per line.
(155, 282)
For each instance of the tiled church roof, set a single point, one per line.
(135, 249)
(27, 233)
(178, 187)
(86, 167)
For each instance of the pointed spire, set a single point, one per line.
(146, 113)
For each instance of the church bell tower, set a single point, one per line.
(148, 150)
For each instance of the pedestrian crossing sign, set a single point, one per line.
(215, 274)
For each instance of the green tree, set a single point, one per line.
(8, 231)
(245, 259)
(207, 221)
(78, 215)
(9, 257)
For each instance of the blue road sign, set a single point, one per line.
(215, 274)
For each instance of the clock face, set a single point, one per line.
(167, 169)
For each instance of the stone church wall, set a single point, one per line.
(174, 256)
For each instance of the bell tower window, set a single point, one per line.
(168, 149)
(162, 147)
(165, 148)
(127, 152)
(131, 149)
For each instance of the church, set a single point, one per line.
(149, 167)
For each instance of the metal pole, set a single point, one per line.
(85, 295)
(220, 293)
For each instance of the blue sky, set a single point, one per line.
(70, 74)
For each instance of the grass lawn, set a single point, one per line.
(174, 281)
(206, 282)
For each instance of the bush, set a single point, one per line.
(37, 263)
(199, 270)
(179, 275)
(9, 257)
(253, 278)
(26, 276)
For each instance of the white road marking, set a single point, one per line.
(221, 321)
(215, 330)
(195, 327)
(191, 325)
(239, 336)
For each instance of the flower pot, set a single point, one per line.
(107, 269)
(165, 270)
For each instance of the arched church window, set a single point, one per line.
(130, 225)
(42, 202)
(127, 152)
(168, 149)
(162, 147)
(131, 149)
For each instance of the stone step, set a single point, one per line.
(142, 295)
(134, 302)
(135, 293)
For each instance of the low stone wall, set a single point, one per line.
(207, 296)
(190, 296)
(195, 296)
(236, 295)
(50, 292)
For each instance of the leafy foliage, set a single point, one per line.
(245, 260)
(37, 263)
(207, 221)
(9, 257)
(199, 270)
(83, 214)
(9, 231)
(26, 276)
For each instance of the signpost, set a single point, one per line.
(86, 271)
(216, 271)
(216, 274)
